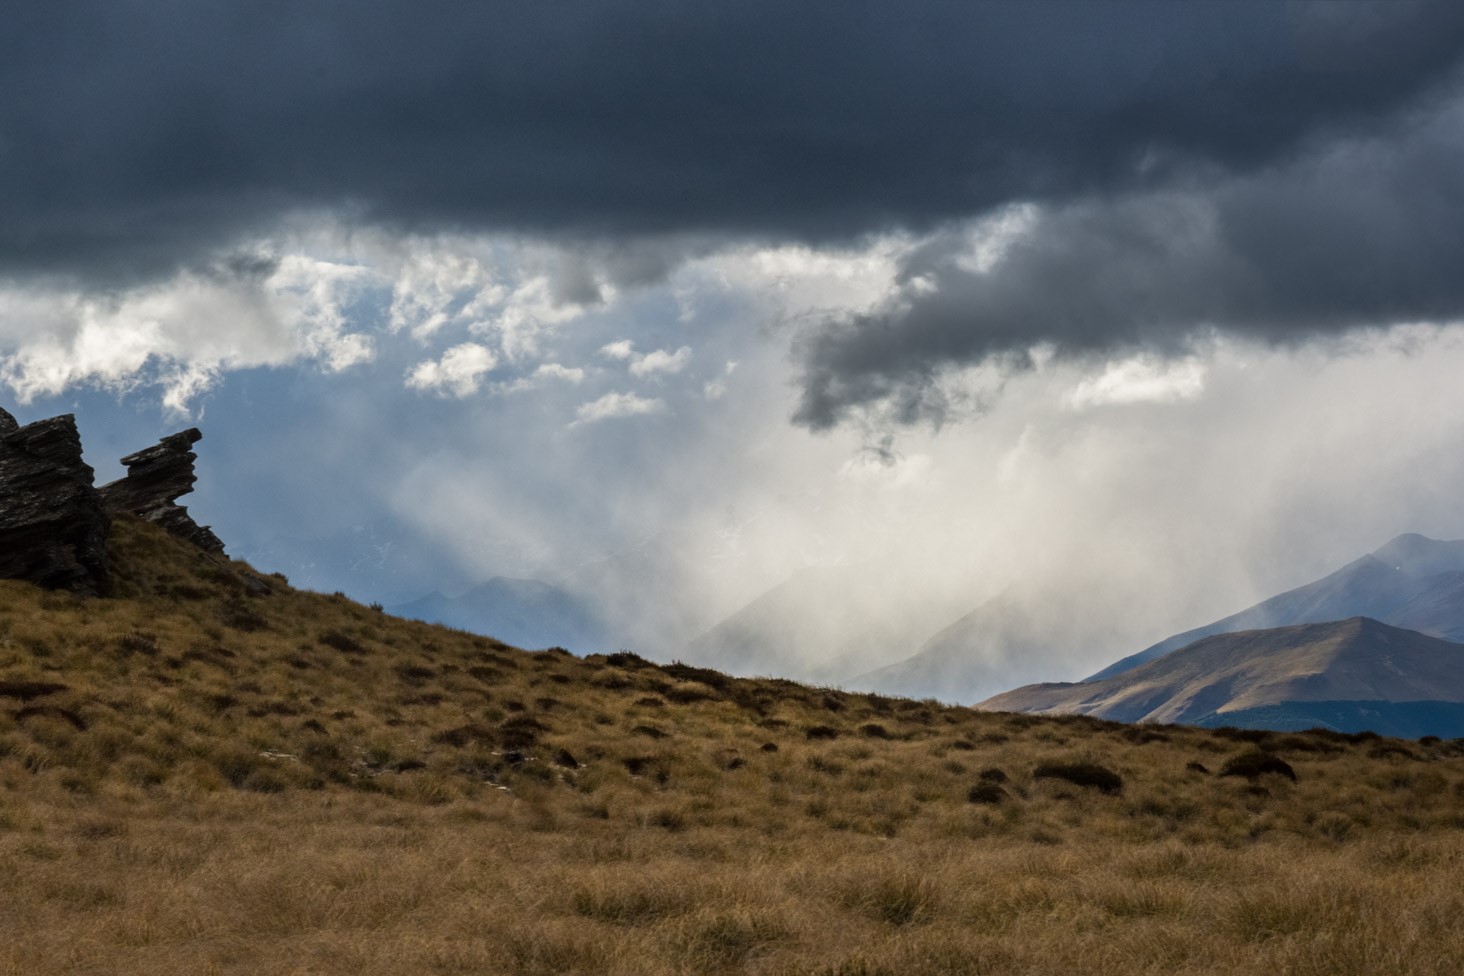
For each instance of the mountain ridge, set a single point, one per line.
(1387, 584)
(1218, 678)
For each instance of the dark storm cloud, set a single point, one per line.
(135, 132)
(1361, 233)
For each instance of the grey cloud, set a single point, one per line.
(136, 134)
(1360, 233)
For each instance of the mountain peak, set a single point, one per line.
(1419, 555)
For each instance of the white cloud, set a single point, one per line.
(613, 405)
(646, 364)
(661, 361)
(717, 388)
(543, 374)
(457, 373)
(1141, 379)
(436, 286)
(183, 333)
(554, 371)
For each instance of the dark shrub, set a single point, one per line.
(138, 642)
(1197, 767)
(566, 759)
(1326, 735)
(874, 731)
(344, 643)
(962, 745)
(1255, 736)
(26, 690)
(52, 711)
(1305, 743)
(1100, 778)
(1255, 763)
(414, 673)
(986, 792)
(627, 660)
(650, 701)
(879, 704)
(240, 616)
(463, 735)
(706, 676)
(520, 732)
(684, 695)
(821, 732)
(640, 765)
(769, 747)
(672, 820)
(1430, 740)
(649, 731)
(993, 775)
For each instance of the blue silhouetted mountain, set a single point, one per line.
(1021, 632)
(384, 560)
(1349, 675)
(1412, 582)
(822, 624)
(525, 613)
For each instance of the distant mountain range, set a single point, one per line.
(1413, 582)
(1373, 645)
(1377, 645)
(1348, 675)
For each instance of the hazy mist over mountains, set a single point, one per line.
(1046, 331)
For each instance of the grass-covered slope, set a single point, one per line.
(209, 772)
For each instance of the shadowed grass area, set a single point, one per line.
(211, 772)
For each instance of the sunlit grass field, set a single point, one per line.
(210, 772)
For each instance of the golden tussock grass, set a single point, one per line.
(212, 773)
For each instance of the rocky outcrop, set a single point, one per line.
(156, 477)
(53, 527)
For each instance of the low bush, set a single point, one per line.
(1255, 764)
(986, 791)
(1090, 775)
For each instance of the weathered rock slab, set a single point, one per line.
(156, 477)
(53, 527)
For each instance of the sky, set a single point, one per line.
(960, 296)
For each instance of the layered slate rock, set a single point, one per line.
(53, 526)
(156, 477)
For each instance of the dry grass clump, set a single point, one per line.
(327, 789)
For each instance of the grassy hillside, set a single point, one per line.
(210, 772)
